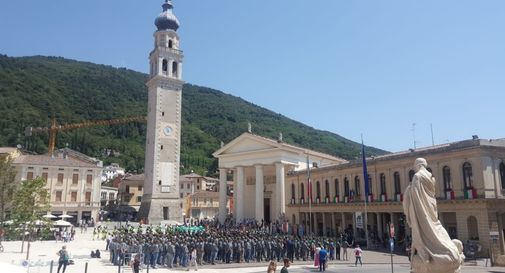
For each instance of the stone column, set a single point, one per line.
(324, 224)
(260, 198)
(333, 226)
(240, 194)
(379, 225)
(222, 195)
(280, 196)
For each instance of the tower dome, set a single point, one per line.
(167, 20)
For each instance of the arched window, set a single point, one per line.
(383, 183)
(164, 66)
(170, 44)
(398, 185)
(446, 174)
(473, 228)
(327, 188)
(357, 186)
(293, 192)
(337, 188)
(467, 175)
(411, 175)
(502, 175)
(302, 191)
(346, 187)
(318, 189)
(175, 67)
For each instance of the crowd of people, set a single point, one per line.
(214, 243)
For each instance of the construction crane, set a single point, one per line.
(55, 128)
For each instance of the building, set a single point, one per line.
(73, 180)
(202, 205)
(259, 166)
(9, 153)
(108, 196)
(192, 183)
(112, 171)
(130, 192)
(163, 140)
(470, 178)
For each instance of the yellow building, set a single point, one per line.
(470, 178)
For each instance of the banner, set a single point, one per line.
(359, 220)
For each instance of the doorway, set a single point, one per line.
(266, 208)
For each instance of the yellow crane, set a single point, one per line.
(55, 128)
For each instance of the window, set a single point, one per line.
(346, 187)
(170, 44)
(411, 175)
(139, 199)
(127, 189)
(502, 175)
(58, 196)
(446, 173)
(357, 186)
(398, 185)
(175, 73)
(188, 186)
(89, 179)
(293, 191)
(182, 186)
(327, 188)
(165, 213)
(467, 175)
(383, 183)
(73, 196)
(181, 195)
(111, 196)
(302, 191)
(75, 179)
(318, 189)
(60, 178)
(29, 175)
(337, 188)
(87, 198)
(164, 66)
(139, 188)
(44, 176)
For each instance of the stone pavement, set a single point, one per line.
(41, 254)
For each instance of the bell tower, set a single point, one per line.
(161, 200)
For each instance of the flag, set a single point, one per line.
(309, 183)
(365, 172)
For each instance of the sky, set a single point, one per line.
(389, 70)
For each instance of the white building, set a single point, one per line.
(112, 171)
(73, 180)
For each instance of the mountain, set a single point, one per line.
(34, 89)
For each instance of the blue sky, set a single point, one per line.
(349, 67)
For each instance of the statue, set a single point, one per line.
(432, 249)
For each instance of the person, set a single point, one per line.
(357, 253)
(63, 258)
(286, 265)
(316, 256)
(323, 255)
(136, 264)
(272, 267)
(192, 260)
(98, 254)
(432, 249)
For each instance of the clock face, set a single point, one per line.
(168, 130)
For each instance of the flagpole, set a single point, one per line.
(309, 191)
(366, 181)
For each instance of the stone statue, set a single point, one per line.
(432, 249)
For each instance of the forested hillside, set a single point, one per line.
(33, 89)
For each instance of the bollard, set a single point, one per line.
(51, 267)
(119, 268)
(147, 268)
(86, 268)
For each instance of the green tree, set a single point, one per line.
(28, 206)
(7, 186)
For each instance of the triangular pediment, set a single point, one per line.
(245, 143)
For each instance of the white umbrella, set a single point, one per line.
(49, 216)
(10, 222)
(62, 223)
(66, 216)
